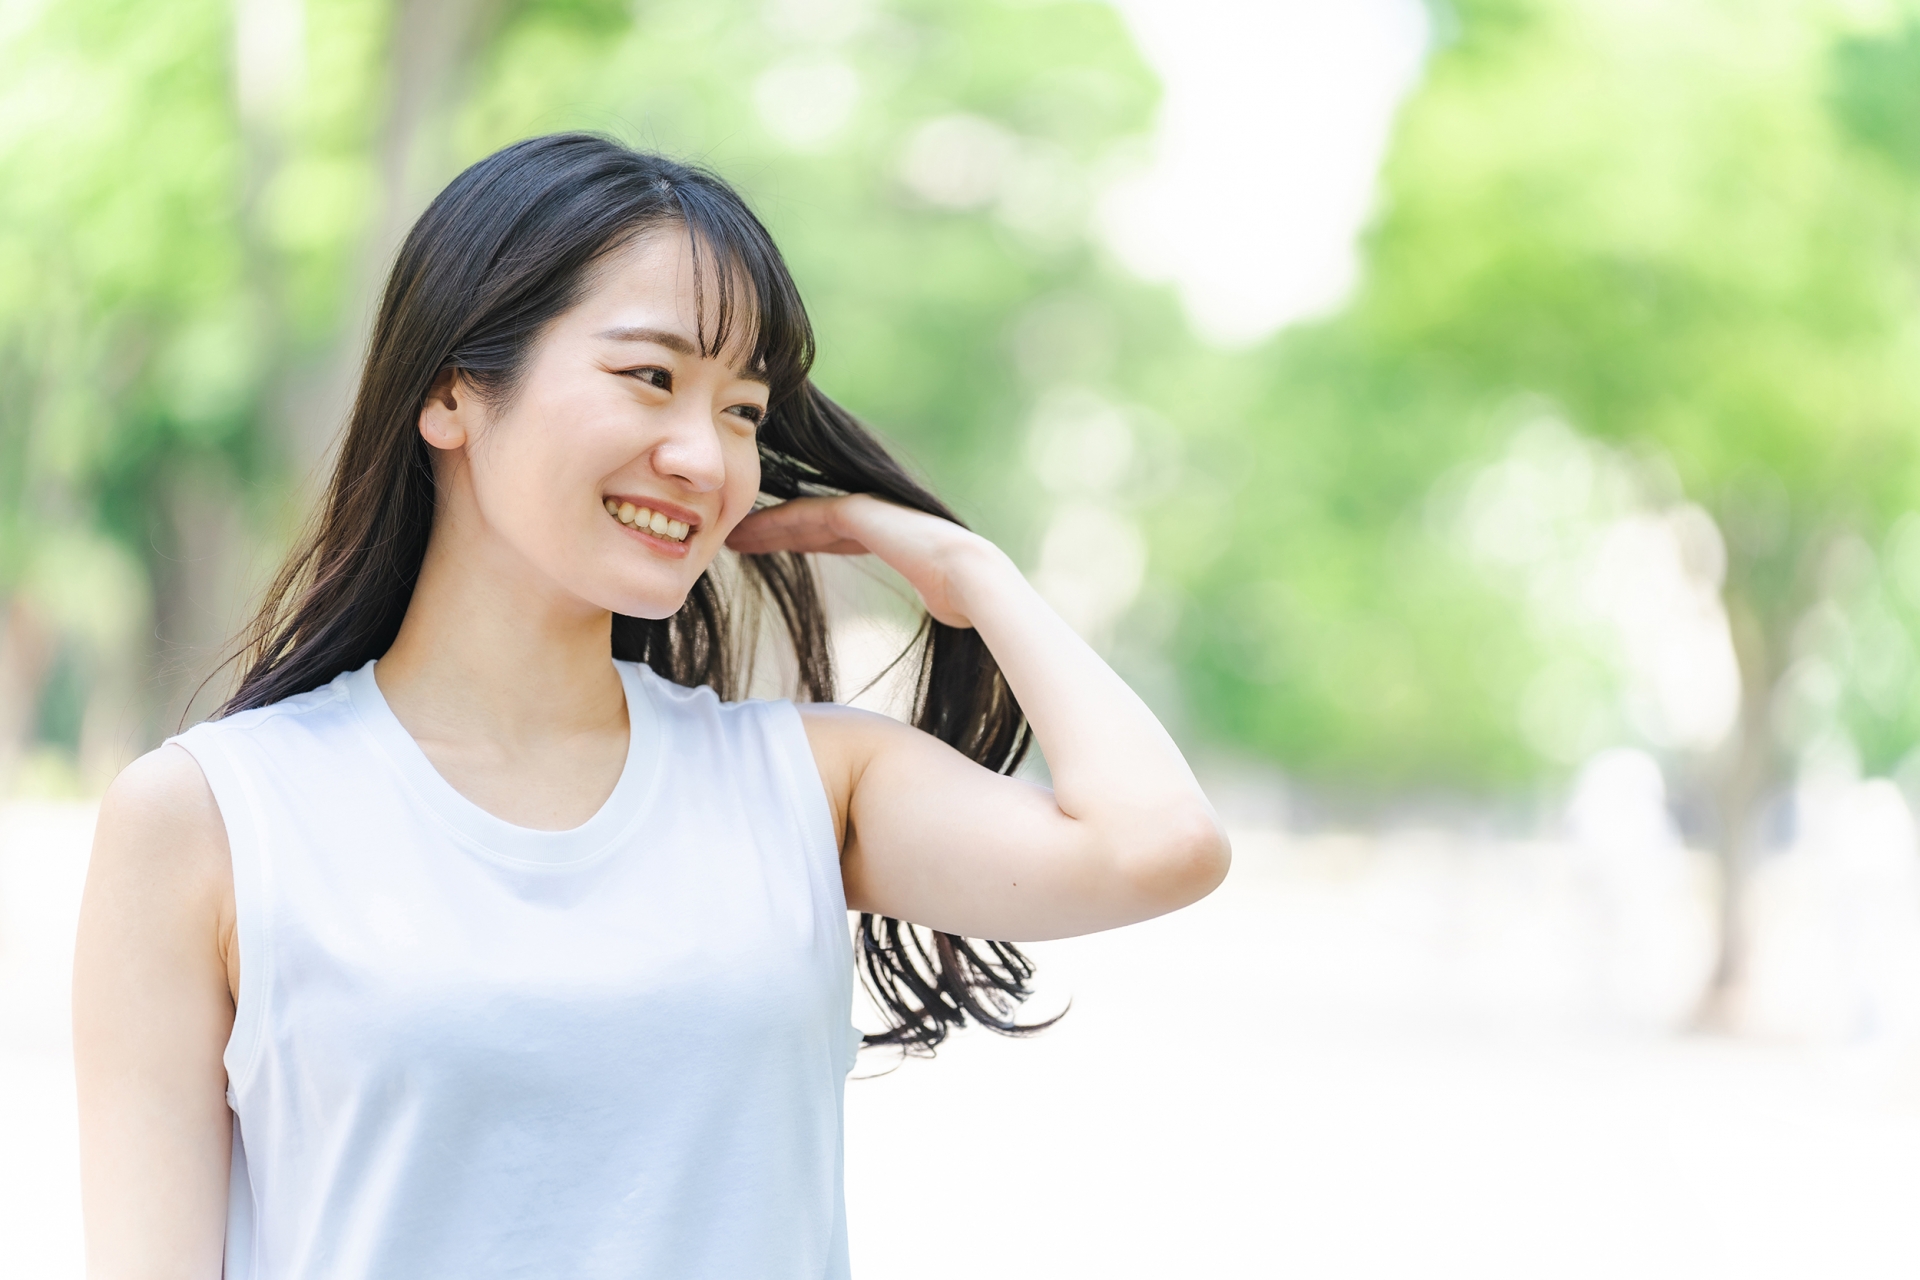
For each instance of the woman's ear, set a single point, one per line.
(444, 417)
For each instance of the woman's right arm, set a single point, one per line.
(155, 967)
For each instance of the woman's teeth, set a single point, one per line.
(652, 521)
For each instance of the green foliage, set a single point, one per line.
(1329, 624)
(1687, 229)
(1645, 215)
(1876, 92)
(164, 261)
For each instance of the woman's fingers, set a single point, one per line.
(914, 544)
(804, 524)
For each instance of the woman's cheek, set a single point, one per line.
(743, 480)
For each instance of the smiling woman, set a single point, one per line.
(483, 932)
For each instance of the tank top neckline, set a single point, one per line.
(628, 803)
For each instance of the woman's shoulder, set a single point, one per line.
(160, 825)
(311, 710)
(161, 815)
(329, 697)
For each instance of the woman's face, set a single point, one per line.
(625, 457)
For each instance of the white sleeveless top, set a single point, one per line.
(465, 1049)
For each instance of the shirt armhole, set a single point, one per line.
(812, 814)
(233, 794)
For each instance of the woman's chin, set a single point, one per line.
(653, 606)
(653, 596)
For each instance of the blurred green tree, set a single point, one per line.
(1691, 230)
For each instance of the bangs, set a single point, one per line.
(744, 296)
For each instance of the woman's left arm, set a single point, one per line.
(931, 837)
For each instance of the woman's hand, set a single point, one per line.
(936, 557)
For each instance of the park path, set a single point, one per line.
(1361, 1058)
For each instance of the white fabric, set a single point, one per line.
(465, 1049)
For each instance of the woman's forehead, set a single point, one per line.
(660, 282)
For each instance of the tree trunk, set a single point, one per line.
(1748, 770)
(26, 652)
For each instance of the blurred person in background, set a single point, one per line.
(483, 932)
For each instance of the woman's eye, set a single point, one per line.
(751, 412)
(653, 376)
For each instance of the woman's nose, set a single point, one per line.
(690, 452)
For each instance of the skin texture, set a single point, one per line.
(500, 672)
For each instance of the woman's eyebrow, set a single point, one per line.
(672, 341)
(679, 343)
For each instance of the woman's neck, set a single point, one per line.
(491, 651)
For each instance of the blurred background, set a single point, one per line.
(1487, 431)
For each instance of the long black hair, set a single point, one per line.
(508, 246)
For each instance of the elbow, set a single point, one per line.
(1186, 859)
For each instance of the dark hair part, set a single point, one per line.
(507, 247)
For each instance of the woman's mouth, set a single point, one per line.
(647, 519)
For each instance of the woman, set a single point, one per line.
(477, 935)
